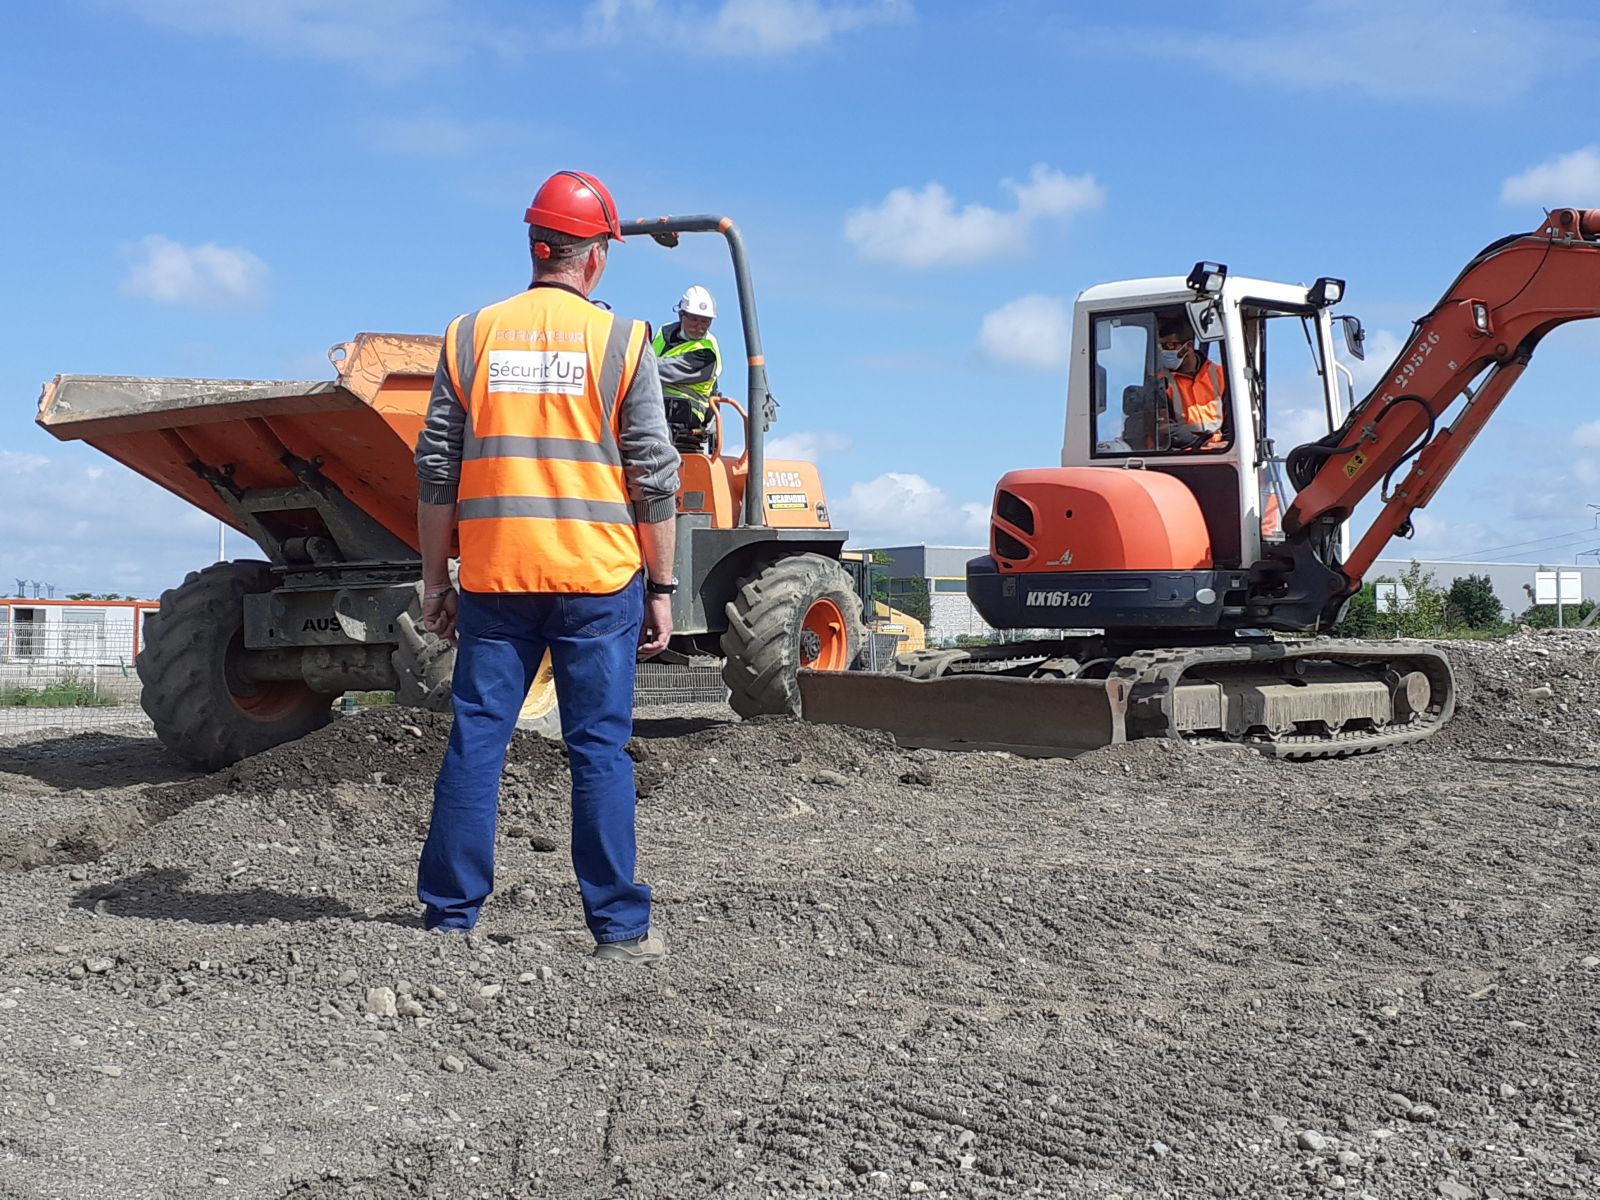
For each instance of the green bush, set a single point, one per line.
(1471, 602)
(1543, 616)
(66, 693)
(1467, 609)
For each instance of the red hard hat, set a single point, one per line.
(577, 203)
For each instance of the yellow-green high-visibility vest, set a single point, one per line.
(697, 394)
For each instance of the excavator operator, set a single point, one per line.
(1195, 386)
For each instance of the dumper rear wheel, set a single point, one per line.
(798, 612)
(204, 709)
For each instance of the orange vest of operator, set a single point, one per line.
(1200, 396)
(543, 503)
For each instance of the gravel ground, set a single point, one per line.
(1148, 972)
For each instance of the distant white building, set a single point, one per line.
(1513, 583)
(45, 641)
(943, 570)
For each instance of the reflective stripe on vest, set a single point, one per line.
(543, 505)
(700, 393)
(1202, 412)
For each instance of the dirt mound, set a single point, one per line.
(398, 746)
(1150, 971)
(1532, 695)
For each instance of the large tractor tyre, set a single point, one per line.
(203, 710)
(798, 612)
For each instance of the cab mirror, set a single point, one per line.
(1355, 337)
(1205, 317)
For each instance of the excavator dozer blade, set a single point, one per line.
(1039, 718)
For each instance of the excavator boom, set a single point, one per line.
(1486, 325)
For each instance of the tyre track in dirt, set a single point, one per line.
(1147, 972)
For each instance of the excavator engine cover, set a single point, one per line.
(1097, 547)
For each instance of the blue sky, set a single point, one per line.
(230, 188)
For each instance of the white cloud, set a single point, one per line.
(739, 27)
(439, 136)
(1033, 331)
(206, 276)
(1567, 181)
(1482, 52)
(899, 507)
(378, 38)
(1587, 435)
(806, 445)
(71, 522)
(924, 228)
(1296, 426)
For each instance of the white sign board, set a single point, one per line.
(1393, 597)
(1557, 587)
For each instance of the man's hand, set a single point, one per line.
(657, 628)
(439, 612)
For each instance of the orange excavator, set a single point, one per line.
(1161, 555)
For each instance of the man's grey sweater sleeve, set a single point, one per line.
(439, 443)
(648, 457)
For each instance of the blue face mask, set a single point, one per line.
(1170, 360)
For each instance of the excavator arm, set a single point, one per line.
(1486, 325)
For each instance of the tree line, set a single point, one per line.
(1467, 608)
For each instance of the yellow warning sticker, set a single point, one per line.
(1357, 461)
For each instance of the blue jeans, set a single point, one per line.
(593, 643)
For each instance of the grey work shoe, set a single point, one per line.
(644, 951)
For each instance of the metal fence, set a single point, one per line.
(45, 694)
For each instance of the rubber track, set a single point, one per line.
(1155, 674)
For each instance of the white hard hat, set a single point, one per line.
(697, 302)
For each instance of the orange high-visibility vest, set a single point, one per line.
(1200, 397)
(543, 504)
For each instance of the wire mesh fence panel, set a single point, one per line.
(45, 696)
(68, 666)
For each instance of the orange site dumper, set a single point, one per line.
(245, 655)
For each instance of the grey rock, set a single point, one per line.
(1423, 1114)
(380, 1002)
(453, 1064)
(1310, 1139)
(1451, 1190)
(831, 779)
(98, 966)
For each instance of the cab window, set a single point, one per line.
(1141, 407)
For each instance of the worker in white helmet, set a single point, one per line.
(690, 360)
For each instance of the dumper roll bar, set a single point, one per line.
(761, 409)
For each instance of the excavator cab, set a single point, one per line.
(1169, 487)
